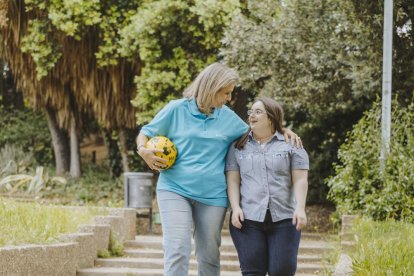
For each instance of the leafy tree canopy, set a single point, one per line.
(75, 18)
(173, 39)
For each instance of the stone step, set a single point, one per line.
(144, 256)
(155, 242)
(128, 266)
(231, 256)
(304, 235)
(349, 236)
(124, 271)
(158, 253)
(348, 246)
(156, 263)
(109, 271)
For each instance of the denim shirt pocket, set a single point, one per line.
(246, 163)
(280, 162)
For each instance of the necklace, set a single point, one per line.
(263, 140)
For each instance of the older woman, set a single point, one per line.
(267, 187)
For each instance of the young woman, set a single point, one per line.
(267, 187)
(192, 193)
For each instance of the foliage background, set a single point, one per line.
(321, 59)
(359, 186)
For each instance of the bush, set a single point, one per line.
(94, 187)
(29, 131)
(359, 186)
(14, 160)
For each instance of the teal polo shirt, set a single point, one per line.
(202, 142)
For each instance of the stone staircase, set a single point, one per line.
(144, 257)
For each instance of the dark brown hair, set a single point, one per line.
(275, 113)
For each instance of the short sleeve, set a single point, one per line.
(231, 160)
(299, 159)
(161, 123)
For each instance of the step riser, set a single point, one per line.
(193, 265)
(223, 248)
(145, 274)
(304, 236)
(313, 251)
(159, 255)
(298, 271)
(144, 256)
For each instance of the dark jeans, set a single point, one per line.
(266, 247)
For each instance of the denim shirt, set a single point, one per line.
(266, 176)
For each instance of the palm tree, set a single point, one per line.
(73, 87)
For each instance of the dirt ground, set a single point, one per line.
(318, 220)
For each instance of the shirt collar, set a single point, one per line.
(196, 112)
(278, 135)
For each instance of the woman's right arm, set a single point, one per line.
(153, 161)
(233, 191)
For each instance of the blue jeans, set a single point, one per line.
(266, 247)
(178, 215)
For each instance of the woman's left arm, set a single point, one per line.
(300, 189)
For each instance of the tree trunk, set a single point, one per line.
(75, 166)
(60, 143)
(123, 148)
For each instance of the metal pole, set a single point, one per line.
(386, 82)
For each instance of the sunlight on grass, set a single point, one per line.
(33, 223)
(384, 248)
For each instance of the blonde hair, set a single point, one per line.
(208, 83)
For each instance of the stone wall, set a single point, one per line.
(77, 250)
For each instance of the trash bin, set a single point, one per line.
(138, 193)
(138, 190)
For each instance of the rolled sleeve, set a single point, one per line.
(299, 159)
(231, 160)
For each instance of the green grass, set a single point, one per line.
(384, 248)
(33, 223)
(115, 249)
(331, 257)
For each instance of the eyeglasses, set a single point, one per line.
(255, 112)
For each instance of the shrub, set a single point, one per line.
(29, 130)
(33, 184)
(94, 187)
(359, 186)
(14, 160)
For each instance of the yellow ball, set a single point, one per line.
(169, 150)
